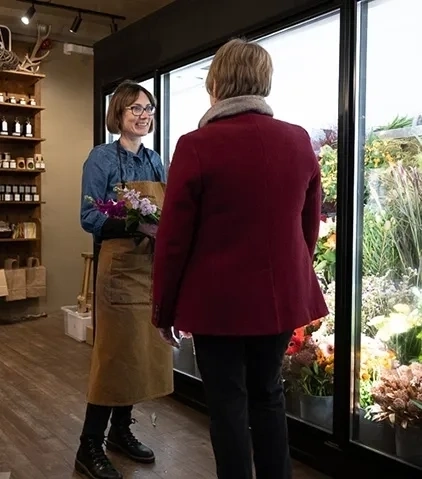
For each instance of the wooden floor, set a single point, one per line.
(43, 377)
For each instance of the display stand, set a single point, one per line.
(21, 167)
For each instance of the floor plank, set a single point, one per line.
(43, 378)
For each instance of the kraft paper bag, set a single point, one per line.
(15, 279)
(36, 278)
(3, 284)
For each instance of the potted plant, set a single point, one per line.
(374, 358)
(397, 396)
(310, 359)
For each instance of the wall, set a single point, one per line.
(67, 125)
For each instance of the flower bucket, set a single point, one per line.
(377, 435)
(408, 444)
(317, 410)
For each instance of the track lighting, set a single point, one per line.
(28, 15)
(76, 24)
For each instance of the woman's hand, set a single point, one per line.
(168, 337)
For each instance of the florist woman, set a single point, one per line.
(129, 361)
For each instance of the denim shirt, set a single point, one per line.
(101, 173)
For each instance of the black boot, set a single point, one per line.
(121, 439)
(92, 462)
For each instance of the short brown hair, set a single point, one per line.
(125, 94)
(240, 68)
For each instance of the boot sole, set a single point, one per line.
(111, 446)
(81, 469)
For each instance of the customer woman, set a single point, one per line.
(130, 363)
(233, 258)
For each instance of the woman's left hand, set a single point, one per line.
(167, 336)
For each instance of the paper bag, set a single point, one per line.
(15, 279)
(3, 284)
(36, 278)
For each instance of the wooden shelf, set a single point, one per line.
(15, 171)
(20, 138)
(16, 107)
(28, 79)
(22, 203)
(16, 240)
(21, 85)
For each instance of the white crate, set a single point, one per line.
(75, 323)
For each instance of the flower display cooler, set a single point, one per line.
(348, 72)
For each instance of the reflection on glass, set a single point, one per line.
(390, 379)
(301, 96)
(148, 141)
(189, 100)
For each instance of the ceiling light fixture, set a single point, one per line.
(80, 11)
(76, 24)
(28, 15)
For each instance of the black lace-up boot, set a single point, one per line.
(121, 439)
(92, 462)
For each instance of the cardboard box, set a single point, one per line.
(89, 335)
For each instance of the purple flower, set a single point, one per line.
(147, 208)
(113, 209)
(132, 197)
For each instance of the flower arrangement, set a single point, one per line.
(325, 251)
(309, 360)
(374, 357)
(397, 396)
(138, 212)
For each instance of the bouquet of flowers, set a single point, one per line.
(139, 213)
(309, 360)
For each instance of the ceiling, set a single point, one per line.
(92, 29)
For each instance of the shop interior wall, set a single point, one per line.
(181, 30)
(67, 125)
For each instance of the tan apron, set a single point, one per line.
(130, 362)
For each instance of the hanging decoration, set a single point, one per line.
(31, 63)
(8, 59)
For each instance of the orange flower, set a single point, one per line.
(331, 241)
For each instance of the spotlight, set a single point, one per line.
(76, 24)
(28, 15)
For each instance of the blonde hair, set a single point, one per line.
(125, 94)
(240, 68)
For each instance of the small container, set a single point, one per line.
(22, 101)
(2, 97)
(13, 164)
(12, 99)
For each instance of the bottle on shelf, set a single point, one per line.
(32, 102)
(22, 101)
(17, 128)
(4, 127)
(28, 129)
(2, 97)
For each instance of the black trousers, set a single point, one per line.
(97, 417)
(243, 385)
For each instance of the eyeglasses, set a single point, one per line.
(137, 110)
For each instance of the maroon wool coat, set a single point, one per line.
(238, 230)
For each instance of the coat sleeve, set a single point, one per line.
(311, 213)
(176, 230)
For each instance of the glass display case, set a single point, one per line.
(388, 252)
(351, 78)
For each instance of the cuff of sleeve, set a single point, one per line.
(99, 226)
(159, 320)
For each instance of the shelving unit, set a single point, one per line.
(22, 86)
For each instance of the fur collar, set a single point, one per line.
(235, 106)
